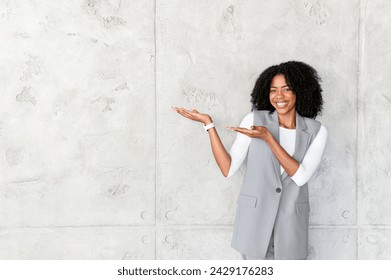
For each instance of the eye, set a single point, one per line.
(272, 90)
(287, 89)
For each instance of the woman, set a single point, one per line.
(284, 146)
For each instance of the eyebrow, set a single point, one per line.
(282, 86)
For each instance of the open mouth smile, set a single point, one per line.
(281, 104)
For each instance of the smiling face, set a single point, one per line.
(281, 95)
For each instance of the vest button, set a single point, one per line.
(278, 190)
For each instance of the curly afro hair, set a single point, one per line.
(301, 78)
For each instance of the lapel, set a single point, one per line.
(301, 140)
(272, 126)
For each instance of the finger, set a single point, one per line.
(245, 131)
(194, 112)
(183, 110)
(242, 130)
(186, 110)
(180, 109)
(237, 128)
(185, 114)
(258, 127)
(189, 115)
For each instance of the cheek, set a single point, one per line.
(294, 101)
(293, 98)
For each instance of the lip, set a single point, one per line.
(285, 103)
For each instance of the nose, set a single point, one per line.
(280, 92)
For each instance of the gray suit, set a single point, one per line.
(269, 200)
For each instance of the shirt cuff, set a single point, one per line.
(230, 173)
(299, 176)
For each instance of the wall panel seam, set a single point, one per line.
(359, 132)
(156, 121)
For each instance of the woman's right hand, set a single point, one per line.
(193, 115)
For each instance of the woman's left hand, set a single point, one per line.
(255, 132)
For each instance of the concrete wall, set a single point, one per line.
(95, 165)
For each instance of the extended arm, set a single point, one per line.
(299, 172)
(222, 157)
(289, 164)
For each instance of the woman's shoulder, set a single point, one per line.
(312, 121)
(315, 125)
(248, 120)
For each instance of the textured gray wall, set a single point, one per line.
(95, 165)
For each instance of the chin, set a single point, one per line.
(283, 110)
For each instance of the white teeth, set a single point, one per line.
(281, 104)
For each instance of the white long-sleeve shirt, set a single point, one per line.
(307, 167)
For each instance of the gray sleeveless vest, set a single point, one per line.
(269, 200)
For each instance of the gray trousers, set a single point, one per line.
(269, 253)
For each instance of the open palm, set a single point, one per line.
(193, 115)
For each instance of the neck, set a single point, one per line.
(287, 120)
